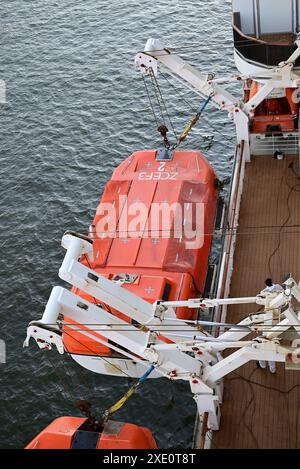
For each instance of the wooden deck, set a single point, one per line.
(262, 410)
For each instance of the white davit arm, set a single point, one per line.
(194, 356)
(155, 53)
(282, 76)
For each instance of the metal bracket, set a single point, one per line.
(45, 338)
(146, 62)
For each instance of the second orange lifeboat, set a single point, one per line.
(75, 433)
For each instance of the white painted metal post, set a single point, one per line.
(52, 309)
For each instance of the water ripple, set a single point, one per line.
(76, 108)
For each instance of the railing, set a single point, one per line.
(267, 145)
(202, 437)
(261, 52)
(229, 236)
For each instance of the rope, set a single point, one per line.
(198, 47)
(180, 95)
(163, 101)
(119, 404)
(247, 230)
(66, 379)
(157, 95)
(162, 128)
(150, 102)
(85, 406)
(193, 122)
(167, 328)
(95, 353)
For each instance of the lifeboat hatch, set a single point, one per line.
(85, 440)
(164, 154)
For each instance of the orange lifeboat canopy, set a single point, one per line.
(74, 433)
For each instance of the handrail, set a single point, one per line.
(259, 41)
(249, 38)
(229, 239)
(266, 53)
(202, 435)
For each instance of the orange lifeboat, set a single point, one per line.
(155, 263)
(276, 114)
(74, 433)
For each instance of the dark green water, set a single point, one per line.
(75, 109)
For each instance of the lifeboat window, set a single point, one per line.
(166, 292)
(93, 277)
